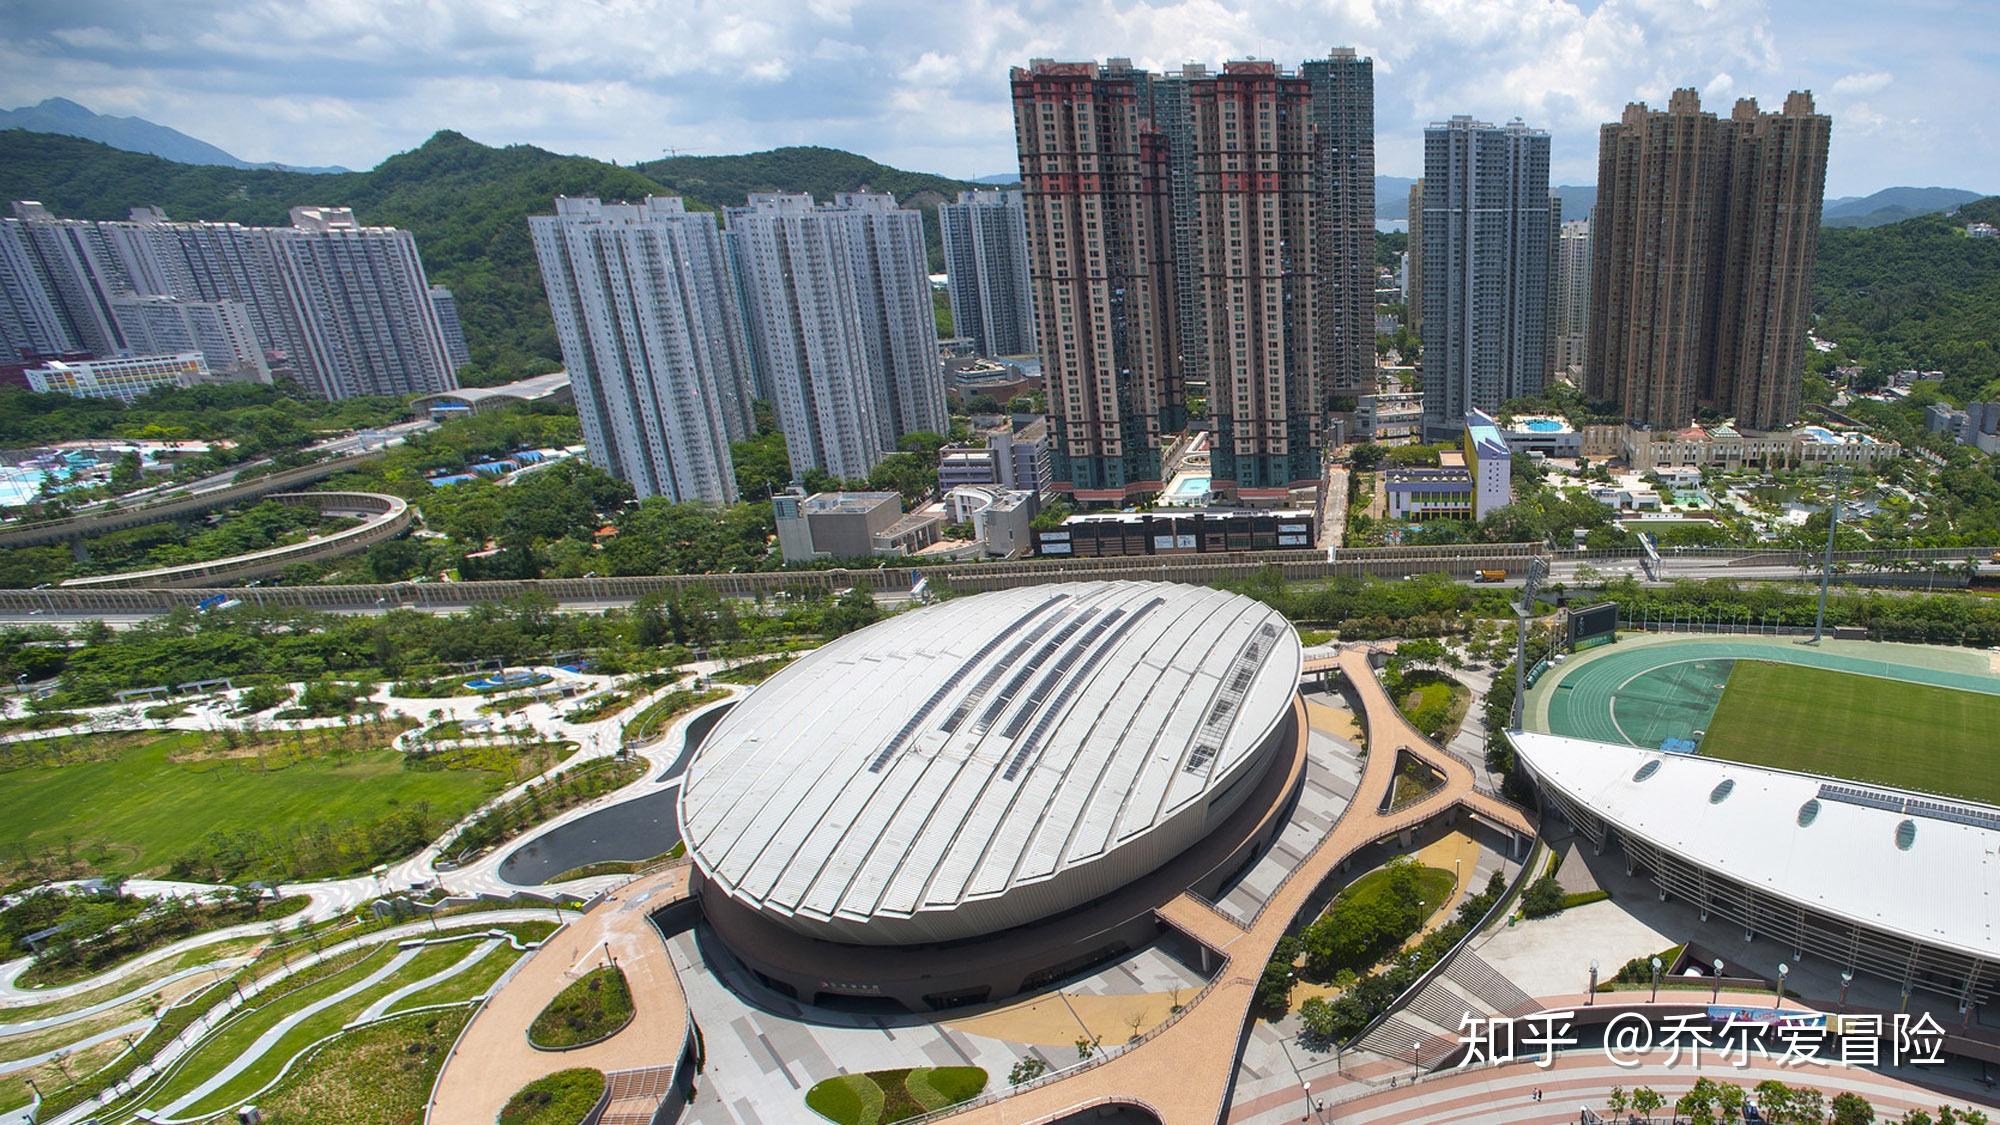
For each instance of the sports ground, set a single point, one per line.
(1912, 716)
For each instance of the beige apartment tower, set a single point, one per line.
(1702, 250)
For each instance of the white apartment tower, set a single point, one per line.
(219, 330)
(346, 305)
(837, 298)
(1571, 289)
(646, 312)
(986, 269)
(454, 329)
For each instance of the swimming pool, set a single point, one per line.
(20, 486)
(1188, 488)
(1544, 426)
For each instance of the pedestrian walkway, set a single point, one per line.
(381, 1007)
(270, 1038)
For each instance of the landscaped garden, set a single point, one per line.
(380, 1074)
(562, 1098)
(649, 723)
(594, 1007)
(879, 1097)
(223, 806)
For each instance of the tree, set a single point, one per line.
(1543, 898)
(1318, 1020)
(1366, 456)
(1617, 1100)
(1645, 1100)
(1027, 1070)
(1775, 1099)
(1852, 1109)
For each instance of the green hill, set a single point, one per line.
(465, 202)
(1917, 293)
(724, 181)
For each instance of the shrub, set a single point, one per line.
(1543, 898)
(562, 1098)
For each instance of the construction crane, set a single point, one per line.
(1538, 571)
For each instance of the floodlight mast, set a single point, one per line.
(1838, 477)
(1538, 569)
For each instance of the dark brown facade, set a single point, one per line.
(1252, 151)
(1094, 181)
(1702, 248)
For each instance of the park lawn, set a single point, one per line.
(1433, 702)
(1861, 728)
(466, 986)
(147, 810)
(880, 1097)
(562, 1098)
(1433, 887)
(376, 1075)
(323, 1023)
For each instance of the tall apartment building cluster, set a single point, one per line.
(1488, 227)
(671, 326)
(345, 307)
(1570, 293)
(986, 271)
(1198, 233)
(1703, 243)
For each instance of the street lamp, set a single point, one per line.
(1718, 981)
(1656, 979)
(1416, 1061)
(1593, 980)
(1846, 978)
(1782, 970)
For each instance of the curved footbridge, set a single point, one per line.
(1178, 1071)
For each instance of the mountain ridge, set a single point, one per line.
(133, 134)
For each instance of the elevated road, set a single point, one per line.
(382, 517)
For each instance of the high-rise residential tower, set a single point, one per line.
(1343, 91)
(453, 328)
(1413, 278)
(1570, 294)
(31, 317)
(219, 330)
(1202, 233)
(1702, 248)
(837, 298)
(1094, 177)
(646, 312)
(1253, 157)
(346, 305)
(986, 270)
(1486, 224)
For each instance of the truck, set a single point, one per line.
(1489, 576)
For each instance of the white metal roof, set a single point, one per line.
(961, 751)
(1847, 860)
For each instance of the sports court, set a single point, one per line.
(1648, 689)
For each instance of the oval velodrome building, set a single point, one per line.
(983, 763)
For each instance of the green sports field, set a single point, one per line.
(1919, 717)
(1858, 727)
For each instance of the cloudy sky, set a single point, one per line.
(1911, 85)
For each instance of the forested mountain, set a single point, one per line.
(724, 181)
(1917, 293)
(1892, 205)
(466, 204)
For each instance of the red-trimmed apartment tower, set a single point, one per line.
(1094, 182)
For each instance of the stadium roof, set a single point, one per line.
(963, 752)
(1892, 860)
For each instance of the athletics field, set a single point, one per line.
(1911, 716)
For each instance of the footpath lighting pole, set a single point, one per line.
(1656, 980)
(1783, 969)
(1718, 982)
(1593, 980)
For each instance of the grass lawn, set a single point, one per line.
(1433, 887)
(594, 1006)
(561, 1098)
(376, 1075)
(1858, 727)
(1433, 702)
(146, 809)
(879, 1097)
(664, 710)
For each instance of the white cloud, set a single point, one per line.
(926, 86)
(1861, 84)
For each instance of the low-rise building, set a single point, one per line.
(1176, 532)
(1388, 416)
(1012, 456)
(1725, 447)
(1981, 230)
(850, 525)
(1625, 499)
(1546, 434)
(1420, 494)
(1002, 518)
(124, 378)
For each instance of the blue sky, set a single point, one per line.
(1911, 85)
